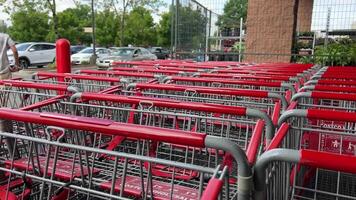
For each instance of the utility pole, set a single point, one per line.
(327, 28)
(93, 57)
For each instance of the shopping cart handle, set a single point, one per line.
(96, 121)
(77, 76)
(205, 107)
(117, 73)
(318, 115)
(28, 84)
(107, 127)
(330, 161)
(324, 95)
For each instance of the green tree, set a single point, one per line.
(234, 10)
(107, 28)
(71, 23)
(140, 28)
(164, 30)
(126, 5)
(29, 24)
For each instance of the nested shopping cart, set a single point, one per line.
(130, 76)
(286, 89)
(332, 79)
(318, 159)
(20, 94)
(271, 103)
(235, 123)
(82, 82)
(156, 71)
(324, 100)
(62, 157)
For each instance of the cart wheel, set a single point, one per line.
(24, 64)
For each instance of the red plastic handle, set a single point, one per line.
(77, 76)
(331, 95)
(334, 82)
(27, 84)
(204, 90)
(326, 160)
(117, 73)
(107, 127)
(214, 108)
(245, 76)
(237, 82)
(213, 189)
(44, 103)
(331, 115)
(154, 71)
(334, 88)
(339, 76)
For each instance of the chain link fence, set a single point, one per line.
(319, 38)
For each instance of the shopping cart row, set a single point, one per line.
(94, 136)
(85, 81)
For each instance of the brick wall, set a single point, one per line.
(270, 26)
(305, 11)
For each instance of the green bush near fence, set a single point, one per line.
(337, 53)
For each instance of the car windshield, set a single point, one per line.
(123, 52)
(22, 47)
(89, 50)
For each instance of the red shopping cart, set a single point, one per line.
(324, 155)
(64, 160)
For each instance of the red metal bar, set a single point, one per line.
(255, 142)
(107, 127)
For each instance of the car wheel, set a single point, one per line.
(24, 63)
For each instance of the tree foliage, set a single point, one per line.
(29, 24)
(36, 20)
(140, 28)
(71, 23)
(107, 28)
(164, 30)
(234, 10)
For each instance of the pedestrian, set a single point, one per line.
(5, 73)
(5, 69)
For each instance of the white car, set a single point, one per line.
(123, 54)
(34, 54)
(83, 56)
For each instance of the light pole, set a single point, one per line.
(93, 57)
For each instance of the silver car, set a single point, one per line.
(126, 54)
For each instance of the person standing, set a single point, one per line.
(5, 73)
(5, 69)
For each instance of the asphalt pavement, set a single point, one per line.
(27, 73)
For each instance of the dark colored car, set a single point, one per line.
(160, 52)
(76, 49)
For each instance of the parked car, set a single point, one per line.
(34, 54)
(126, 54)
(160, 52)
(84, 55)
(76, 49)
